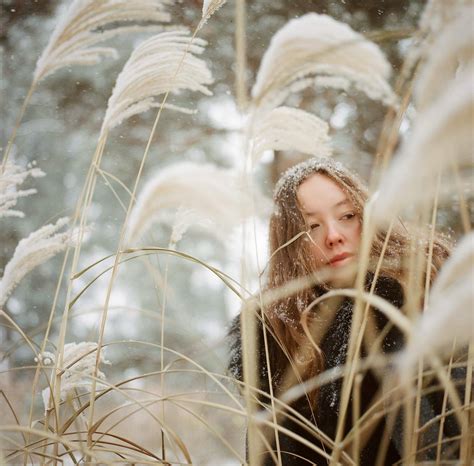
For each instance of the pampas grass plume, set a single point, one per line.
(319, 45)
(37, 248)
(449, 317)
(210, 196)
(89, 22)
(209, 7)
(285, 128)
(442, 136)
(164, 63)
(449, 53)
(79, 360)
(10, 178)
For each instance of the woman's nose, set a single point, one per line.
(333, 236)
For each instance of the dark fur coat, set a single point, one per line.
(325, 412)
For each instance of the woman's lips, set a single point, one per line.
(340, 259)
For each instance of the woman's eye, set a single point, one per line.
(313, 226)
(348, 216)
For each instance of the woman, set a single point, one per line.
(316, 228)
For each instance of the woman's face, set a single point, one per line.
(333, 223)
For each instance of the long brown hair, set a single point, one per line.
(291, 260)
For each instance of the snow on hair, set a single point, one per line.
(10, 178)
(319, 45)
(164, 63)
(442, 135)
(89, 22)
(285, 128)
(449, 316)
(212, 196)
(31, 251)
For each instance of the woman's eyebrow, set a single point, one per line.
(338, 204)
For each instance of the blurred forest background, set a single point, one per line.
(59, 133)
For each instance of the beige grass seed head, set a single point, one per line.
(32, 251)
(449, 316)
(164, 63)
(286, 128)
(10, 178)
(442, 136)
(319, 45)
(79, 360)
(210, 196)
(87, 23)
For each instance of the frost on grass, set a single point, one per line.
(87, 23)
(10, 178)
(37, 248)
(207, 195)
(285, 128)
(449, 317)
(319, 45)
(78, 367)
(164, 63)
(442, 137)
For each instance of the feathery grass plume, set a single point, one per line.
(439, 13)
(209, 7)
(442, 134)
(37, 248)
(449, 52)
(449, 317)
(13, 176)
(285, 128)
(152, 69)
(213, 195)
(79, 361)
(89, 22)
(319, 45)
(459, 265)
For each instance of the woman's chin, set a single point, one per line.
(342, 275)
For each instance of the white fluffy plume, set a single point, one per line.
(10, 178)
(163, 63)
(442, 135)
(449, 53)
(285, 128)
(209, 7)
(319, 45)
(213, 197)
(79, 361)
(37, 248)
(87, 23)
(450, 315)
